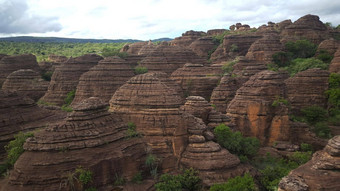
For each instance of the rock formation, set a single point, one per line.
(90, 137)
(307, 27)
(151, 101)
(167, 58)
(52, 62)
(19, 113)
(282, 25)
(187, 38)
(197, 80)
(334, 67)
(147, 49)
(329, 45)
(198, 107)
(320, 173)
(203, 47)
(103, 79)
(264, 48)
(66, 77)
(307, 88)
(26, 82)
(9, 64)
(215, 32)
(252, 111)
(133, 48)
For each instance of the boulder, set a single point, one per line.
(9, 64)
(307, 88)
(320, 173)
(66, 77)
(197, 79)
(26, 82)
(198, 107)
(103, 79)
(90, 138)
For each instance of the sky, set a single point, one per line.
(149, 19)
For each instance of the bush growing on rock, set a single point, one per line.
(302, 64)
(141, 70)
(301, 48)
(235, 142)
(239, 183)
(314, 114)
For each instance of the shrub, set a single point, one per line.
(322, 130)
(239, 183)
(301, 48)
(324, 56)
(282, 59)
(301, 157)
(131, 131)
(188, 180)
(66, 108)
(302, 64)
(15, 147)
(141, 70)
(333, 93)
(306, 147)
(69, 97)
(235, 142)
(152, 163)
(279, 100)
(47, 75)
(233, 48)
(106, 52)
(119, 180)
(314, 114)
(228, 67)
(137, 178)
(84, 175)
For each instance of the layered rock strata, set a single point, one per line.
(203, 47)
(103, 79)
(66, 77)
(26, 82)
(133, 48)
(187, 38)
(90, 137)
(334, 67)
(320, 173)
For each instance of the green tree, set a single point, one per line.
(239, 183)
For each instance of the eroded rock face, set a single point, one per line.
(198, 107)
(215, 32)
(52, 62)
(187, 38)
(334, 67)
(307, 88)
(234, 45)
(151, 101)
(90, 137)
(147, 49)
(20, 113)
(320, 173)
(66, 77)
(26, 82)
(197, 80)
(133, 48)
(103, 79)
(329, 45)
(252, 112)
(264, 48)
(167, 58)
(307, 27)
(203, 46)
(9, 64)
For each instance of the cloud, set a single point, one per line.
(15, 18)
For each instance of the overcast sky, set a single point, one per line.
(149, 19)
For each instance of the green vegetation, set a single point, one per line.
(131, 131)
(279, 100)
(233, 48)
(152, 163)
(84, 175)
(239, 183)
(302, 64)
(114, 51)
(333, 94)
(41, 102)
(137, 178)
(68, 100)
(219, 38)
(325, 56)
(119, 180)
(47, 75)
(301, 49)
(141, 70)
(314, 114)
(306, 147)
(273, 169)
(14, 149)
(228, 67)
(234, 142)
(188, 180)
(42, 50)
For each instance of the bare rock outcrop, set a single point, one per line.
(263, 49)
(282, 25)
(252, 112)
(103, 79)
(187, 38)
(147, 49)
(203, 47)
(307, 88)
(66, 77)
(307, 27)
(26, 82)
(320, 173)
(198, 107)
(167, 58)
(334, 67)
(197, 80)
(329, 45)
(52, 62)
(214, 32)
(19, 113)
(9, 64)
(151, 101)
(90, 137)
(133, 48)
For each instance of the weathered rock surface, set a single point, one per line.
(103, 79)
(167, 58)
(263, 49)
(252, 112)
(90, 137)
(214, 32)
(133, 48)
(320, 173)
(329, 45)
(66, 77)
(26, 82)
(52, 62)
(197, 80)
(307, 27)
(307, 88)
(198, 107)
(334, 67)
(203, 47)
(19, 113)
(147, 49)
(187, 38)
(282, 25)
(9, 64)
(151, 101)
